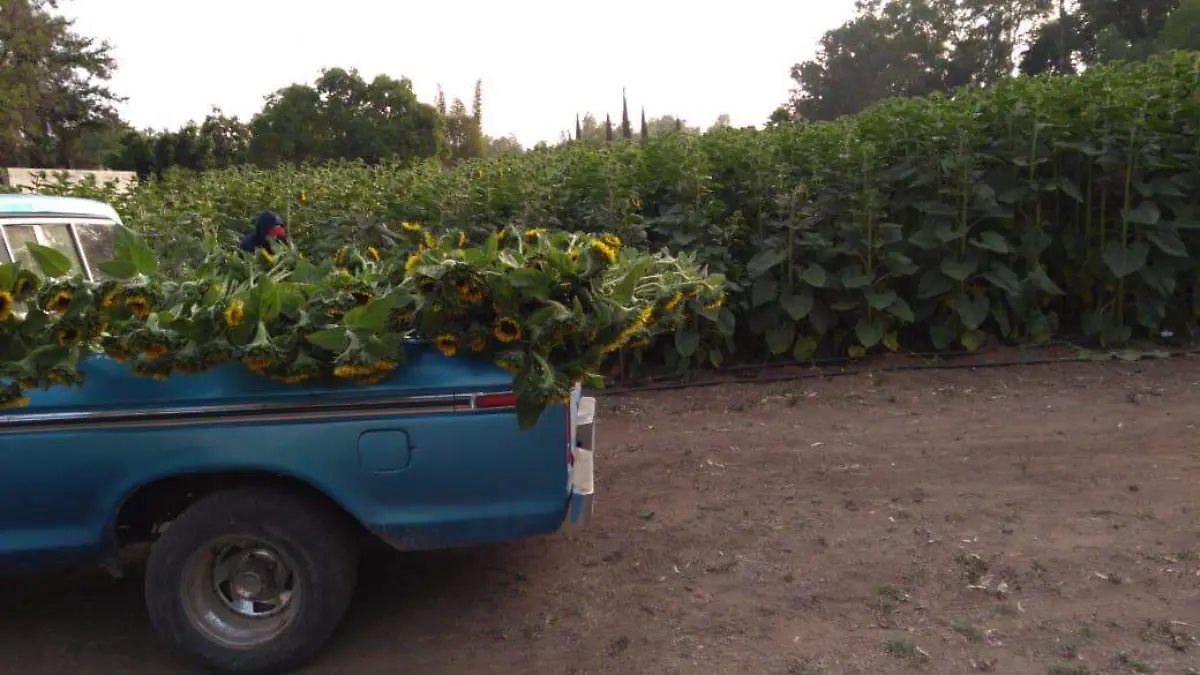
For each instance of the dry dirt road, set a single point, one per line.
(1019, 520)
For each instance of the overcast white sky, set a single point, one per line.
(540, 61)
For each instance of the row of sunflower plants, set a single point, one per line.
(548, 306)
(1032, 209)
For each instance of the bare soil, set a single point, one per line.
(1011, 520)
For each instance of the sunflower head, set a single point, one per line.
(478, 343)
(13, 397)
(154, 350)
(59, 302)
(373, 253)
(507, 329)
(362, 297)
(6, 305)
(139, 305)
(257, 364)
(447, 343)
(234, 314)
(27, 284)
(606, 252)
(462, 239)
(465, 290)
(67, 335)
(109, 297)
(352, 370)
(410, 227)
(611, 240)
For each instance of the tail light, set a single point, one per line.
(486, 401)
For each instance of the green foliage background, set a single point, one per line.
(1030, 209)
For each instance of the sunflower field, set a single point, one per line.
(1035, 209)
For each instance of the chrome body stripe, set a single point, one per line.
(239, 413)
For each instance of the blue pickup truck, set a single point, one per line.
(254, 496)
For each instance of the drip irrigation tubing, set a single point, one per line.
(621, 390)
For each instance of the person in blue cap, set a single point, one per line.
(266, 227)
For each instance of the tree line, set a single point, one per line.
(57, 111)
(907, 48)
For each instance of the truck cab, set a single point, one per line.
(81, 229)
(254, 496)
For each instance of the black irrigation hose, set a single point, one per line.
(792, 377)
(760, 368)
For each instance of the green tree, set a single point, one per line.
(52, 86)
(504, 145)
(1181, 29)
(228, 138)
(100, 147)
(897, 49)
(464, 129)
(136, 154)
(342, 116)
(1096, 31)
(904, 48)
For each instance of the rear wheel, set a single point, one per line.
(252, 580)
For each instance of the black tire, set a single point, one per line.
(310, 539)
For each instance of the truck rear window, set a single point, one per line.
(97, 243)
(95, 239)
(58, 237)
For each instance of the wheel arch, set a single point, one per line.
(149, 505)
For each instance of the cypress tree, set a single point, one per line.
(578, 129)
(608, 128)
(626, 127)
(645, 129)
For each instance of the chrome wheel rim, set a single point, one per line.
(241, 591)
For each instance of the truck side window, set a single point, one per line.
(58, 237)
(18, 237)
(97, 242)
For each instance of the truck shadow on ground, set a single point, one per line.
(86, 622)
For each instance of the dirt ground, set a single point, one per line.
(1012, 520)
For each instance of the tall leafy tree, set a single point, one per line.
(900, 48)
(228, 137)
(904, 48)
(342, 116)
(52, 85)
(1182, 29)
